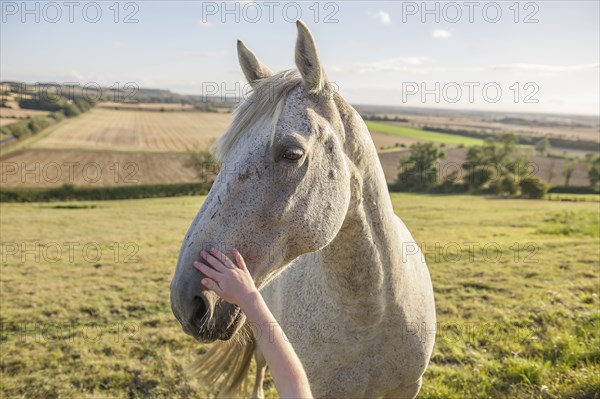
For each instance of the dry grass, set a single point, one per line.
(104, 129)
(53, 168)
(146, 106)
(7, 121)
(15, 114)
(387, 141)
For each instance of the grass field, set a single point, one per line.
(105, 129)
(42, 167)
(421, 135)
(517, 320)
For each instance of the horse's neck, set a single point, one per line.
(358, 264)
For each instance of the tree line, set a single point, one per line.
(59, 109)
(495, 167)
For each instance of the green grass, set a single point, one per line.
(516, 286)
(573, 197)
(26, 142)
(402, 131)
(569, 222)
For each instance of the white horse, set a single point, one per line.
(302, 195)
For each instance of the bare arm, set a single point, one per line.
(234, 284)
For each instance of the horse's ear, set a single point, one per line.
(253, 69)
(307, 60)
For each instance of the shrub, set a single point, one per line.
(38, 123)
(57, 116)
(71, 110)
(506, 185)
(419, 172)
(452, 184)
(480, 175)
(533, 187)
(18, 129)
(509, 185)
(593, 170)
(491, 160)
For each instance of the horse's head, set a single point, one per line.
(282, 191)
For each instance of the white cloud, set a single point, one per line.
(382, 17)
(538, 67)
(441, 34)
(204, 24)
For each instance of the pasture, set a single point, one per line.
(582, 127)
(85, 297)
(421, 135)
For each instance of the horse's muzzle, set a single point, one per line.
(206, 317)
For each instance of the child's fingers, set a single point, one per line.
(209, 271)
(222, 257)
(212, 285)
(239, 260)
(214, 262)
(197, 265)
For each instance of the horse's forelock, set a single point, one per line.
(264, 103)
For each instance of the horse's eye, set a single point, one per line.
(292, 154)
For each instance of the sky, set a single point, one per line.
(540, 56)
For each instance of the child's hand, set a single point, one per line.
(231, 282)
(234, 284)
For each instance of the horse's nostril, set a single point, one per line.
(201, 309)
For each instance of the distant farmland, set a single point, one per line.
(110, 147)
(10, 115)
(421, 135)
(146, 106)
(124, 130)
(107, 147)
(146, 146)
(55, 167)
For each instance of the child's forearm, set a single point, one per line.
(233, 283)
(286, 368)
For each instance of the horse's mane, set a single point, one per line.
(265, 101)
